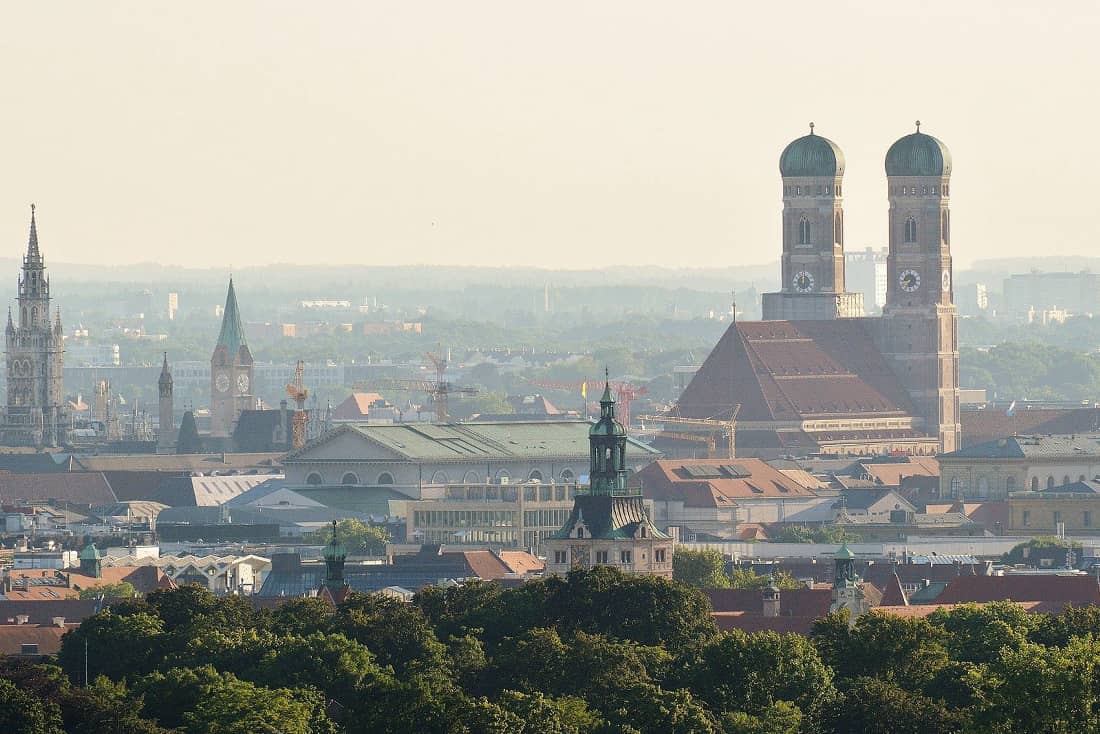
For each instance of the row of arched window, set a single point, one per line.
(503, 476)
(910, 233)
(918, 190)
(810, 190)
(981, 488)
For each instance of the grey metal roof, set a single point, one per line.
(1031, 447)
(495, 441)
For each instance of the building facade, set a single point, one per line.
(609, 524)
(1025, 463)
(231, 384)
(36, 414)
(815, 376)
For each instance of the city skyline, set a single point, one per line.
(503, 135)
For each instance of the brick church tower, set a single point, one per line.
(918, 331)
(812, 168)
(230, 372)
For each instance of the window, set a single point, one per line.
(956, 487)
(567, 475)
(1050, 482)
(561, 557)
(1086, 519)
(625, 557)
(503, 476)
(385, 478)
(580, 532)
(314, 479)
(659, 555)
(471, 477)
(1026, 520)
(1065, 479)
(440, 477)
(28, 648)
(1057, 517)
(1010, 484)
(1035, 484)
(983, 486)
(350, 478)
(803, 231)
(642, 531)
(910, 230)
(534, 476)
(798, 190)
(838, 229)
(601, 556)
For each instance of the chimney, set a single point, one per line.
(771, 600)
(57, 621)
(22, 618)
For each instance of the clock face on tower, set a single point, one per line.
(803, 282)
(242, 383)
(221, 382)
(946, 280)
(909, 280)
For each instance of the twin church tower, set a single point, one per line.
(818, 376)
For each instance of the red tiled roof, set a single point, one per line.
(890, 474)
(46, 637)
(980, 426)
(86, 488)
(752, 531)
(522, 562)
(893, 595)
(1022, 588)
(41, 612)
(356, 406)
(485, 564)
(792, 602)
(783, 370)
(679, 479)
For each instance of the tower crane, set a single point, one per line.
(440, 389)
(625, 392)
(726, 427)
(298, 393)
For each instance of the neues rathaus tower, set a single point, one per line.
(35, 414)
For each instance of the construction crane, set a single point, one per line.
(726, 427)
(440, 389)
(625, 393)
(298, 393)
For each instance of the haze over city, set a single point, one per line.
(498, 133)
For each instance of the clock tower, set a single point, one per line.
(918, 331)
(230, 372)
(812, 168)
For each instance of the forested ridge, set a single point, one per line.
(596, 652)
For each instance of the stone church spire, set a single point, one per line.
(32, 240)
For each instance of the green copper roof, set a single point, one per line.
(90, 553)
(812, 155)
(609, 517)
(232, 333)
(844, 552)
(918, 155)
(607, 425)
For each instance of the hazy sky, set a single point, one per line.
(558, 134)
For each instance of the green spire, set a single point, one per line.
(335, 554)
(232, 333)
(607, 403)
(607, 440)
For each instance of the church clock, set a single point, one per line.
(909, 280)
(242, 383)
(221, 382)
(803, 281)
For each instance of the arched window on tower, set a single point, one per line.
(910, 230)
(946, 228)
(803, 231)
(838, 229)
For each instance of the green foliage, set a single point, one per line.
(703, 569)
(737, 671)
(1045, 546)
(745, 578)
(25, 713)
(359, 538)
(823, 534)
(594, 652)
(122, 590)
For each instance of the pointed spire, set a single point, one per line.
(32, 241)
(232, 333)
(607, 402)
(165, 372)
